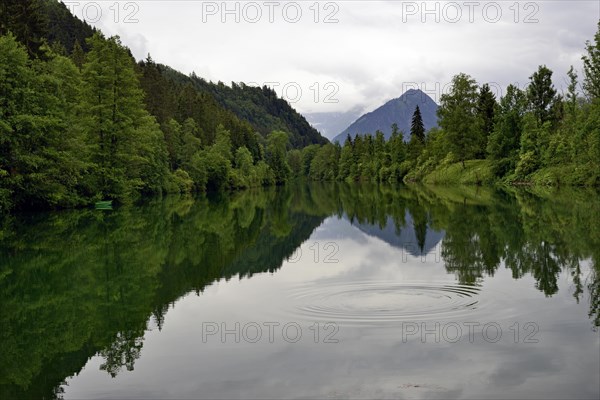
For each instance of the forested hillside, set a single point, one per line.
(80, 121)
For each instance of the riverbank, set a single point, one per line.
(480, 172)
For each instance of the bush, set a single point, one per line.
(528, 163)
(179, 182)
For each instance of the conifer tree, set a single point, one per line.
(128, 146)
(78, 55)
(417, 129)
(486, 108)
(541, 94)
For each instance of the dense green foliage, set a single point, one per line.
(262, 108)
(71, 137)
(79, 282)
(35, 21)
(80, 121)
(250, 111)
(532, 136)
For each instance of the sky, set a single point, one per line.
(334, 56)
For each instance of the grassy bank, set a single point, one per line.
(480, 172)
(474, 172)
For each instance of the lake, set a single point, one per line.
(307, 291)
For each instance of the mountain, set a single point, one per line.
(259, 106)
(398, 111)
(332, 123)
(264, 110)
(408, 238)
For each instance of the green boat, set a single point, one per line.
(104, 205)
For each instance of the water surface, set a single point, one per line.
(316, 291)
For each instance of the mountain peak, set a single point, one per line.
(399, 111)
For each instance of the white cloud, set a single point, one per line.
(374, 51)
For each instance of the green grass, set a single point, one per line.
(565, 175)
(475, 172)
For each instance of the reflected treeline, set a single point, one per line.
(540, 234)
(79, 283)
(537, 234)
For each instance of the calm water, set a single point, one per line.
(323, 291)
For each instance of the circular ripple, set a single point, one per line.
(373, 302)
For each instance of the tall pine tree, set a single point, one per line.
(486, 108)
(417, 128)
(128, 146)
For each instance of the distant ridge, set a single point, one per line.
(399, 111)
(407, 238)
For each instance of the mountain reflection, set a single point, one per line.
(79, 283)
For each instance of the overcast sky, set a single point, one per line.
(335, 56)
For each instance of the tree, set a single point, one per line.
(276, 155)
(417, 128)
(396, 145)
(308, 153)
(504, 141)
(486, 108)
(417, 136)
(571, 96)
(541, 94)
(15, 103)
(26, 20)
(458, 117)
(591, 67)
(128, 146)
(159, 99)
(346, 159)
(78, 56)
(42, 149)
(243, 160)
(571, 129)
(379, 154)
(324, 166)
(294, 159)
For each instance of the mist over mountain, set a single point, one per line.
(399, 111)
(330, 124)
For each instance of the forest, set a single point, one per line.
(81, 121)
(531, 135)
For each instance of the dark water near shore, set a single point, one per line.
(314, 291)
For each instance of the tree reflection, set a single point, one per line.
(79, 283)
(123, 351)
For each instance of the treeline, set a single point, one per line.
(71, 135)
(531, 135)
